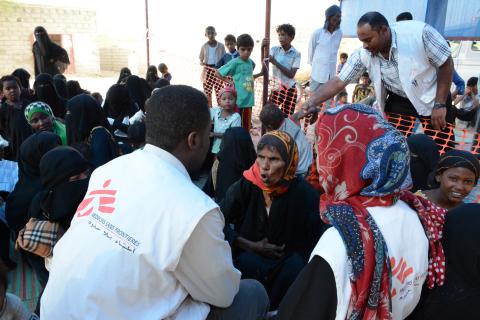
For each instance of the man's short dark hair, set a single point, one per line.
(404, 16)
(343, 55)
(472, 82)
(172, 113)
(9, 78)
(245, 40)
(288, 29)
(272, 116)
(230, 38)
(375, 19)
(210, 28)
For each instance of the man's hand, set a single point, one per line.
(438, 118)
(266, 249)
(308, 108)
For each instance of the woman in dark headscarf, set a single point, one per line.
(152, 76)
(24, 77)
(424, 156)
(45, 91)
(60, 83)
(74, 89)
(28, 183)
(274, 216)
(118, 103)
(139, 90)
(121, 111)
(64, 173)
(459, 297)
(124, 74)
(455, 176)
(49, 57)
(236, 155)
(88, 130)
(374, 260)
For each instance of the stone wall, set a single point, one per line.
(18, 20)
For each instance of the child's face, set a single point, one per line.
(210, 34)
(472, 89)
(11, 90)
(227, 101)
(343, 60)
(230, 45)
(284, 39)
(343, 100)
(245, 52)
(41, 122)
(364, 80)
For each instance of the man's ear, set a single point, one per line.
(193, 140)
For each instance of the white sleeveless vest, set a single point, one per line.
(134, 245)
(417, 76)
(407, 249)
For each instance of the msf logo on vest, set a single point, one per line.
(100, 200)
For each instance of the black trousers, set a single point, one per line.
(275, 274)
(445, 139)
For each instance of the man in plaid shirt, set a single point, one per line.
(410, 65)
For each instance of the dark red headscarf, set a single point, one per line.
(363, 162)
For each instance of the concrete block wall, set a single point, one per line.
(18, 20)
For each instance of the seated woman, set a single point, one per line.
(29, 183)
(374, 260)
(459, 297)
(124, 74)
(65, 174)
(40, 117)
(236, 155)
(88, 130)
(424, 157)
(74, 89)
(456, 175)
(271, 217)
(152, 76)
(46, 91)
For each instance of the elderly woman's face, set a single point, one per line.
(271, 164)
(456, 183)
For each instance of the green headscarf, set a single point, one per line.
(42, 107)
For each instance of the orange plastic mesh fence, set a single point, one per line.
(451, 138)
(288, 99)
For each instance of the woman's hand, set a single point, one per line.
(266, 249)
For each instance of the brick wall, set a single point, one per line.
(17, 22)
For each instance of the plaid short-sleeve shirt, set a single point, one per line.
(436, 48)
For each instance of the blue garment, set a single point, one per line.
(227, 57)
(459, 83)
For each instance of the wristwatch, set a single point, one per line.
(438, 105)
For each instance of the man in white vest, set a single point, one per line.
(146, 243)
(410, 65)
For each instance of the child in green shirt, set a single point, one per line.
(241, 71)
